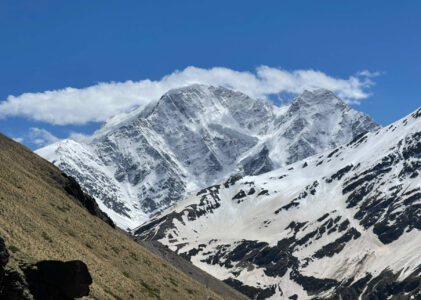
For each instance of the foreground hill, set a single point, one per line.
(340, 225)
(195, 136)
(44, 216)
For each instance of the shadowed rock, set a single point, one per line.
(53, 280)
(72, 187)
(45, 280)
(4, 258)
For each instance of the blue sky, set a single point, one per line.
(51, 45)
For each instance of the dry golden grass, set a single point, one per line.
(39, 221)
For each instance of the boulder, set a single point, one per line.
(53, 280)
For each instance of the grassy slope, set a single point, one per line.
(39, 221)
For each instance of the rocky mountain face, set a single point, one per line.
(344, 224)
(142, 162)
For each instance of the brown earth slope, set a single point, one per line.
(188, 268)
(39, 220)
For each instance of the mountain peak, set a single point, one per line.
(188, 99)
(318, 97)
(194, 136)
(320, 101)
(201, 93)
(195, 87)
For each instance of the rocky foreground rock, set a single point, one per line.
(44, 280)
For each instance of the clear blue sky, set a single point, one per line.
(48, 45)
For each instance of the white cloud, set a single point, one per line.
(103, 100)
(18, 139)
(41, 137)
(79, 137)
(367, 73)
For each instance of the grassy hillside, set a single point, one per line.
(39, 221)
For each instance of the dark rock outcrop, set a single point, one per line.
(14, 287)
(12, 283)
(251, 291)
(257, 164)
(52, 279)
(45, 280)
(72, 187)
(4, 258)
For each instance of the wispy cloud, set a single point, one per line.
(41, 137)
(103, 100)
(369, 74)
(18, 139)
(79, 137)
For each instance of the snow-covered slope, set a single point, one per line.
(142, 162)
(344, 224)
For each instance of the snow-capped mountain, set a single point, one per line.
(344, 224)
(142, 162)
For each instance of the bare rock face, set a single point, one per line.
(140, 163)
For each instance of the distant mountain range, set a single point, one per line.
(342, 224)
(142, 162)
